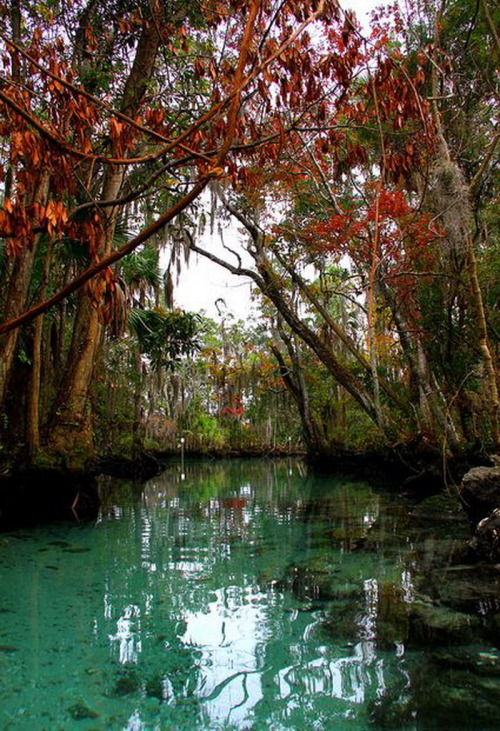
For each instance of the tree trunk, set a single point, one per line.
(454, 196)
(71, 431)
(338, 370)
(34, 385)
(431, 416)
(484, 347)
(17, 295)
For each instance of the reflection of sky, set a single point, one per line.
(252, 649)
(230, 634)
(127, 638)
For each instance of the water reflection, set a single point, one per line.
(260, 574)
(244, 596)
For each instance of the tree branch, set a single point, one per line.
(233, 99)
(476, 180)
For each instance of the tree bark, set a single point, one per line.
(71, 430)
(34, 385)
(456, 215)
(293, 378)
(484, 347)
(17, 295)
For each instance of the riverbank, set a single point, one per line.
(37, 494)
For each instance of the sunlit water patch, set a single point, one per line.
(248, 595)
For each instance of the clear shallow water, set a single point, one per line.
(247, 596)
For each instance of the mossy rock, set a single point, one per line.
(430, 625)
(441, 504)
(480, 660)
(80, 711)
(127, 682)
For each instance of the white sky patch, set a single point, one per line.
(203, 283)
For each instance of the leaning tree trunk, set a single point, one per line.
(71, 431)
(432, 416)
(293, 379)
(269, 284)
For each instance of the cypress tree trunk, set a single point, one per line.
(71, 433)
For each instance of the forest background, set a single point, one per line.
(361, 167)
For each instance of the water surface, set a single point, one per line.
(248, 595)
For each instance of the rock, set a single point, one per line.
(485, 545)
(454, 690)
(143, 468)
(483, 661)
(127, 682)
(392, 711)
(79, 711)
(471, 589)
(431, 625)
(480, 492)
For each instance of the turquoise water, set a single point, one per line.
(247, 595)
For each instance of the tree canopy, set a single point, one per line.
(359, 164)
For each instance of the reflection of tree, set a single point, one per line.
(262, 601)
(245, 592)
(143, 617)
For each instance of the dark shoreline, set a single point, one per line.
(39, 494)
